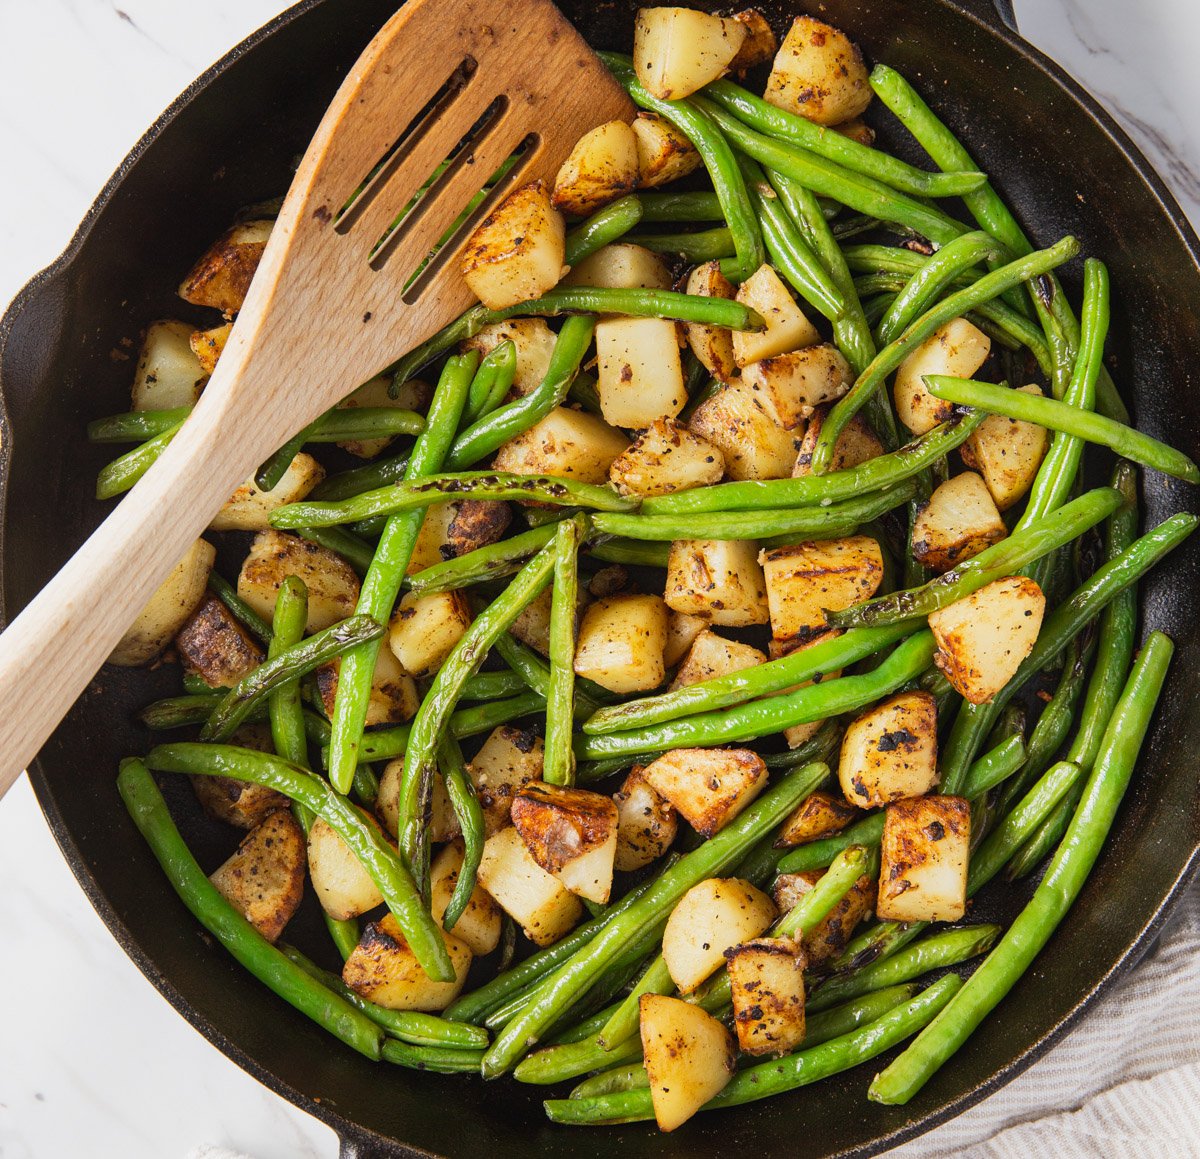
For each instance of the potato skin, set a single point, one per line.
(760, 44)
(240, 803)
(832, 934)
(274, 555)
(855, 445)
(384, 970)
(559, 824)
(664, 153)
(819, 815)
(477, 523)
(222, 276)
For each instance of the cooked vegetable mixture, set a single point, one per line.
(647, 705)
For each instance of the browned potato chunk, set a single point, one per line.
(709, 919)
(819, 73)
(621, 266)
(958, 521)
(957, 349)
(760, 44)
(275, 555)
(384, 970)
(621, 642)
(443, 824)
(857, 130)
(982, 639)
(855, 445)
(425, 629)
(393, 698)
(890, 751)
(712, 655)
(207, 346)
(433, 537)
(536, 900)
(223, 274)
(809, 579)
(639, 375)
(664, 458)
(169, 374)
(215, 646)
(818, 815)
(565, 442)
(718, 579)
(479, 924)
(689, 1057)
(679, 50)
(832, 934)
(682, 630)
(755, 446)
(602, 167)
(534, 342)
(510, 757)
(664, 153)
(766, 977)
(264, 879)
(646, 823)
(1007, 453)
(708, 787)
(476, 523)
(249, 508)
(240, 803)
(343, 887)
(571, 833)
(786, 326)
(923, 864)
(790, 386)
(712, 345)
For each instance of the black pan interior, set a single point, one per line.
(66, 359)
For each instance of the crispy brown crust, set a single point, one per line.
(264, 879)
(476, 523)
(213, 644)
(559, 825)
(223, 274)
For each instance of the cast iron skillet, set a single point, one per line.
(64, 358)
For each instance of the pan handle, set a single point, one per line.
(998, 13)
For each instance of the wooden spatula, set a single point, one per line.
(456, 83)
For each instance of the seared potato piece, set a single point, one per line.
(760, 44)
(708, 787)
(959, 521)
(534, 342)
(809, 579)
(957, 349)
(923, 860)
(565, 442)
(443, 824)
(602, 167)
(689, 1057)
(264, 879)
(798, 734)
(787, 328)
(393, 698)
(712, 345)
(832, 934)
(222, 276)
(414, 395)
(479, 924)
(571, 833)
(621, 642)
(664, 153)
(640, 374)
(517, 251)
(433, 537)
(532, 626)
(857, 130)
(682, 630)
(818, 73)
(168, 609)
(982, 639)
(510, 758)
(855, 445)
(711, 655)
(249, 509)
(168, 374)
(646, 823)
(709, 919)
(425, 629)
(1007, 453)
(766, 977)
(790, 386)
(818, 815)
(240, 803)
(622, 266)
(666, 457)
(275, 555)
(215, 646)
(207, 346)
(476, 523)
(343, 887)
(755, 446)
(890, 751)
(384, 970)
(679, 50)
(536, 900)
(718, 579)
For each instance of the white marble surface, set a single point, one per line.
(92, 1060)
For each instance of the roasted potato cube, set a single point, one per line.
(443, 824)
(958, 521)
(718, 579)
(621, 642)
(534, 342)
(760, 44)
(640, 375)
(664, 153)
(215, 646)
(621, 266)
(809, 579)
(679, 50)
(609, 581)
(755, 446)
(957, 349)
(712, 345)
(393, 698)
(1007, 453)
(709, 787)
(786, 326)
(798, 734)
(532, 626)
(832, 934)
(264, 879)
(766, 978)
(818, 73)
(207, 346)
(510, 758)
(275, 555)
(425, 629)
(682, 630)
(602, 167)
(819, 815)
(857, 130)
(536, 900)
(343, 887)
(240, 803)
(565, 442)
(384, 970)
(890, 751)
(855, 445)
(168, 374)
(517, 251)
(222, 276)
(982, 639)
(711, 655)
(923, 860)
(476, 523)
(377, 393)
(646, 823)
(664, 458)
(479, 924)
(432, 546)
(249, 509)
(571, 833)
(790, 386)
(168, 609)
(709, 919)
(689, 1057)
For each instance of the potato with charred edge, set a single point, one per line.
(855, 445)
(957, 349)
(923, 860)
(249, 508)
(510, 758)
(712, 345)
(433, 537)
(818, 815)
(664, 458)
(825, 575)
(532, 626)
(534, 342)
(240, 803)
(958, 521)
(890, 751)
(384, 970)
(790, 386)
(168, 609)
(214, 646)
(517, 251)
(621, 642)
(168, 374)
(664, 153)
(536, 900)
(786, 326)
(708, 787)
(689, 1057)
(424, 630)
(760, 44)
(818, 73)
(264, 879)
(274, 555)
(621, 266)
(343, 887)
(639, 374)
(443, 824)
(709, 919)
(565, 442)
(1007, 453)
(832, 934)
(393, 698)
(222, 276)
(682, 630)
(982, 638)
(766, 977)
(207, 346)
(755, 446)
(711, 655)
(571, 833)
(601, 167)
(677, 51)
(857, 130)
(718, 579)
(646, 822)
(476, 523)
(479, 924)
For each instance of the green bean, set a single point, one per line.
(701, 245)
(492, 381)
(356, 552)
(623, 1022)
(879, 941)
(436, 1059)
(180, 711)
(1046, 836)
(603, 228)
(641, 553)
(122, 473)
(218, 916)
(559, 760)
(819, 854)
(1023, 546)
(381, 585)
(242, 611)
(493, 686)
(365, 786)
(469, 814)
(671, 206)
(136, 426)
(994, 766)
(1055, 895)
(636, 303)
(365, 478)
(631, 1076)
(495, 561)
(465, 326)
(523, 660)
(283, 704)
